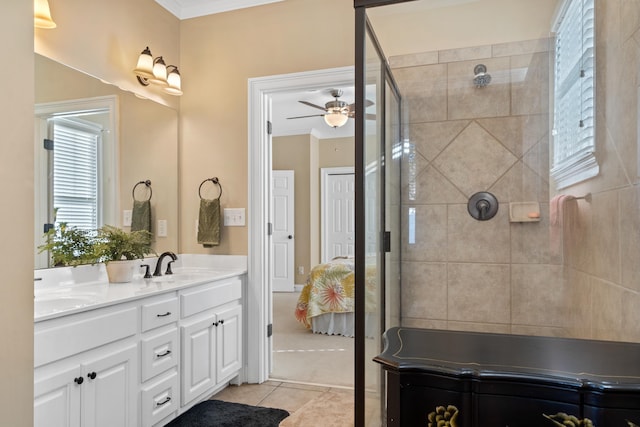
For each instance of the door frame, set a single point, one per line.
(260, 90)
(324, 176)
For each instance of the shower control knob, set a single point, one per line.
(483, 206)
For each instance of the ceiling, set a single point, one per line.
(285, 104)
(185, 9)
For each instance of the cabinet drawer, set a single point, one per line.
(64, 337)
(159, 313)
(160, 399)
(210, 295)
(159, 353)
(520, 411)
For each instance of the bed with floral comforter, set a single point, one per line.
(326, 303)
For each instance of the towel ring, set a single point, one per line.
(147, 183)
(216, 181)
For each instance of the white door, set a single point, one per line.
(282, 249)
(338, 213)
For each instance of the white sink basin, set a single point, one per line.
(180, 277)
(63, 302)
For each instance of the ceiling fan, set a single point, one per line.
(336, 112)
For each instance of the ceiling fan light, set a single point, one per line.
(335, 119)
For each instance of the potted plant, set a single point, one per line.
(119, 250)
(69, 246)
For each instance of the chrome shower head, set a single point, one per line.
(481, 78)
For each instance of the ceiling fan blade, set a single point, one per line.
(368, 116)
(313, 105)
(303, 117)
(367, 104)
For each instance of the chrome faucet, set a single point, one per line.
(158, 270)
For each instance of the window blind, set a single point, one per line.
(574, 95)
(75, 173)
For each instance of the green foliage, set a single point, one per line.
(114, 244)
(70, 246)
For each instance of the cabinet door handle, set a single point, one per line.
(166, 353)
(168, 313)
(164, 402)
(78, 380)
(215, 323)
(91, 375)
(221, 321)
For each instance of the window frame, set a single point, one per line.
(582, 164)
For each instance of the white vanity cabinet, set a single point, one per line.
(211, 337)
(159, 358)
(87, 369)
(138, 359)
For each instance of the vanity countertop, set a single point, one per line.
(57, 298)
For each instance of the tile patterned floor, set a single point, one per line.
(299, 389)
(304, 402)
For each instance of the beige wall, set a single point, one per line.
(424, 26)
(219, 54)
(16, 254)
(602, 238)
(105, 39)
(337, 152)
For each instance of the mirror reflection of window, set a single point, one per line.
(75, 189)
(75, 168)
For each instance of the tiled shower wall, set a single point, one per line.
(458, 272)
(499, 276)
(602, 238)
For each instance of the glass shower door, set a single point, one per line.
(378, 153)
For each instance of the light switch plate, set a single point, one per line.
(234, 217)
(126, 218)
(162, 228)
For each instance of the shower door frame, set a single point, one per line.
(363, 30)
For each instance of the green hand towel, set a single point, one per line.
(141, 215)
(209, 223)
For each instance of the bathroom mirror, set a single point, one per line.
(146, 148)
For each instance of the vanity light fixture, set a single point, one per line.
(42, 14)
(150, 70)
